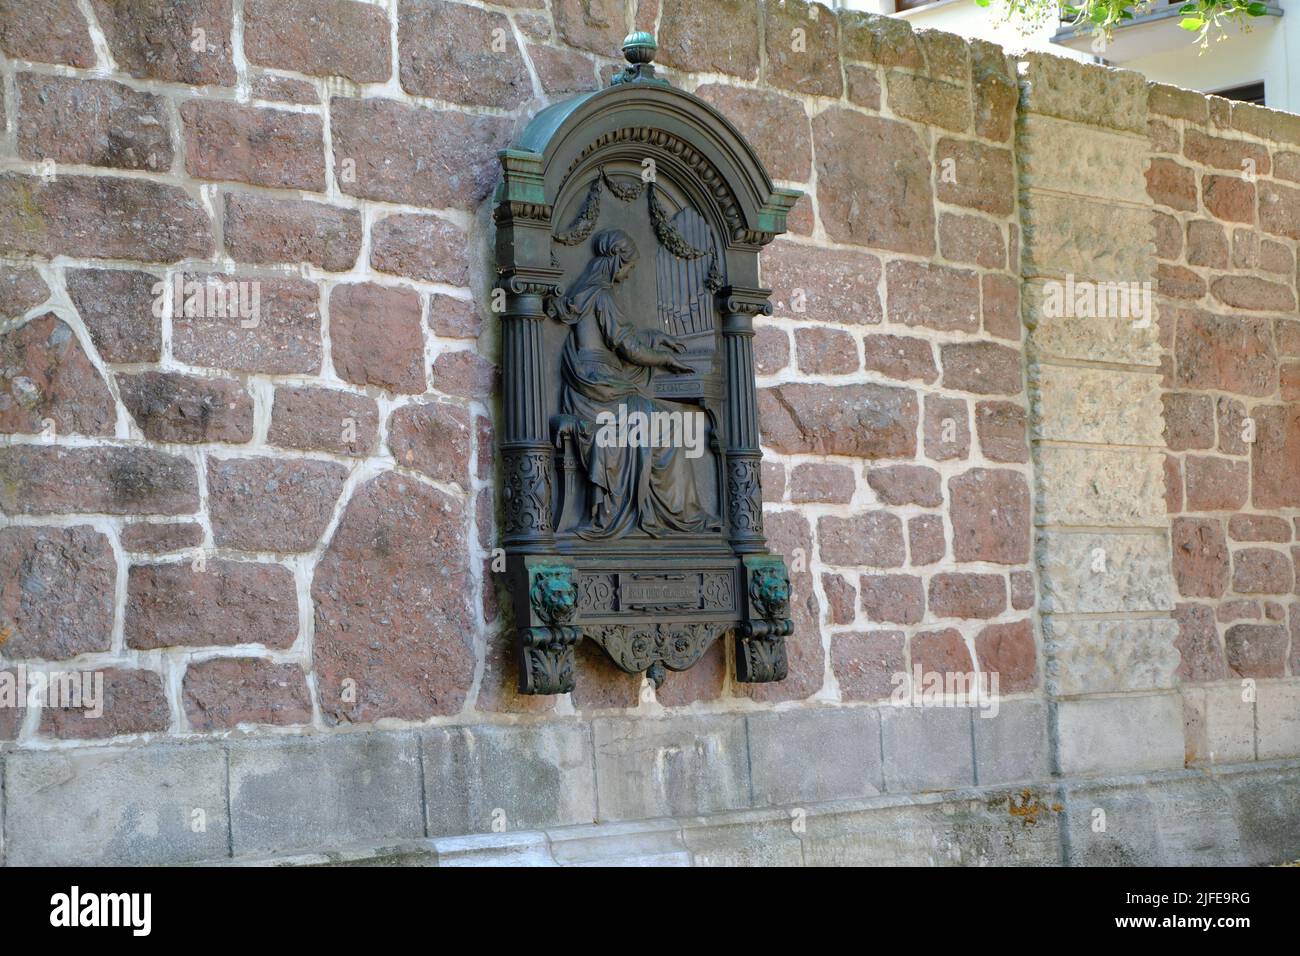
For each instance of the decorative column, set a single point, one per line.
(542, 584)
(744, 459)
(526, 281)
(525, 445)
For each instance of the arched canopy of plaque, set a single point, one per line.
(629, 224)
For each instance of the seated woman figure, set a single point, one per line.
(607, 372)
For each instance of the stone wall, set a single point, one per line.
(1227, 220)
(267, 536)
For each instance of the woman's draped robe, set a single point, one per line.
(647, 487)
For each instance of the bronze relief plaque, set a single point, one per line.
(629, 223)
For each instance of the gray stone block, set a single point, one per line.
(1278, 711)
(1218, 725)
(325, 791)
(1013, 746)
(802, 756)
(745, 839)
(116, 806)
(644, 843)
(1124, 827)
(495, 849)
(960, 830)
(927, 748)
(1266, 809)
(411, 853)
(1117, 735)
(523, 778)
(678, 766)
(1243, 816)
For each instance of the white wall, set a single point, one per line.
(1245, 57)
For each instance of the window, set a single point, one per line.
(1250, 93)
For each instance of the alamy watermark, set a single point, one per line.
(922, 688)
(58, 690)
(130, 910)
(656, 429)
(210, 298)
(1086, 299)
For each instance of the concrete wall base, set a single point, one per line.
(394, 798)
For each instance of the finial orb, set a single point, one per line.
(640, 47)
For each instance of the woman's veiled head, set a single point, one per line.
(615, 254)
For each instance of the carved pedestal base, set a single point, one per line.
(760, 640)
(761, 659)
(546, 642)
(546, 646)
(546, 663)
(655, 649)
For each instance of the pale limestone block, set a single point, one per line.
(1100, 406)
(1119, 339)
(1218, 724)
(1083, 160)
(1066, 235)
(1101, 487)
(1085, 572)
(1094, 657)
(1083, 92)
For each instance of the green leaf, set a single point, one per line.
(1257, 9)
(1192, 23)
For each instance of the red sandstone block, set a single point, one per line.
(990, 515)
(319, 37)
(893, 598)
(1008, 651)
(967, 595)
(92, 123)
(870, 539)
(265, 230)
(873, 182)
(129, 702)
(462, 54)
(224, 692)
(1200, 557)
(377, 336)
(1216, 484)
(253, 144)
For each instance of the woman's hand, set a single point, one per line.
(655, 349)
(668, 346)
(669, 343)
